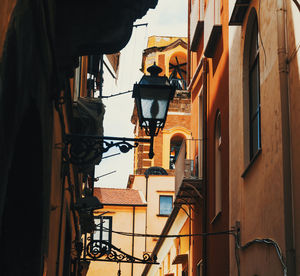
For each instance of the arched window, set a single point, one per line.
(177, 70)
(254, 92)
(218, 165)
(175, 145)
(252, 115)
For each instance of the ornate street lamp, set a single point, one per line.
(152, 97)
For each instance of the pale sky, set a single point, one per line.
(168, 19)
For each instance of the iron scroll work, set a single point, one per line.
(86, 149)
(106, 252)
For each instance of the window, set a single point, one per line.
(175, 145)
(254, 92)
(199, 157)
(218, 166)
(165, 205)
(251, 92)
(77, 81)
(200, 269)
(102, 231)
(177, 70)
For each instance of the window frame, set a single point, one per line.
(199, 268)
(172, 159)
(251, 63)
(254, 113)
(218, 165)
(77, 80)
(100, 230)
(165, 196)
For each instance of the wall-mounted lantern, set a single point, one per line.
(152, 97)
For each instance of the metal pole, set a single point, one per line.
(119, 271)
(133, 231)
(101, 77)
(146, 219)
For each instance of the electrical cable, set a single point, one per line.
(238, 246)
(297, 4)
(117, 94)
(167, 236)
(294, 52)
(262, 44)
(266, 241)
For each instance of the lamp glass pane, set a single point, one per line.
(154, 109)
(154, 105)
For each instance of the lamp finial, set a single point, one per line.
(154, 70)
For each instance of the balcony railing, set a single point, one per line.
(189, 163)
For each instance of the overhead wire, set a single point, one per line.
(167, 236)
(238, 246)
(259, 33)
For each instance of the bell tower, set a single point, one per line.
(170, 54)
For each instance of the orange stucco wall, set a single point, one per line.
(217, 101)
(293, 34)
(257, 198)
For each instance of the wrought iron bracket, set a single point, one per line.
(86, 149)
(106, 252)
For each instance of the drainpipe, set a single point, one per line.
(133, 232)
(204, 220)
(286, 147)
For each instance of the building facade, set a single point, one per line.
(122, 216)
(264, 152)
(244, 68)
(41, 187)
(154, 179)
(209, 85)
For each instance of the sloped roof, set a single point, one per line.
(113, 196)
(166, 47)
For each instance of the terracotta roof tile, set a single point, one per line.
(112, 196)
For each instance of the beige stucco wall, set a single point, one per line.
(122, 220)
(257, 199)
(157, 185)
(170, 248)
